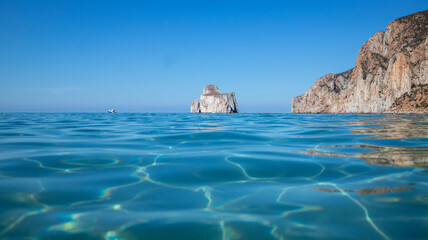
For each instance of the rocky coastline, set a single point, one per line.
(390, 75)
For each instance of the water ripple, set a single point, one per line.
(213, 176)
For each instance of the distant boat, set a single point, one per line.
(111, 111)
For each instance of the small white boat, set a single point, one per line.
(111, 111)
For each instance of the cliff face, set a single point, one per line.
(413, 101)
(387, 67)
(212, 101)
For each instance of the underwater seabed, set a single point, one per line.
(213, 176)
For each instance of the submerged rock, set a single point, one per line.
(212, 101)
(390, 75)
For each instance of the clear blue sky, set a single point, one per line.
(156, 56)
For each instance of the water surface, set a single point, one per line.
(213, 176)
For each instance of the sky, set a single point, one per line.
(156, 56)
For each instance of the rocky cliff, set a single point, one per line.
(212, 101)
(391, 67)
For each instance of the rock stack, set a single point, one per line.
(212, 101)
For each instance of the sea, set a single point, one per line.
(213, 176)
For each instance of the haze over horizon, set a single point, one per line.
(156, 56)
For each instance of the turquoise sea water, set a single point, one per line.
(213, 176)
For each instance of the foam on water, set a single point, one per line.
(213, 176)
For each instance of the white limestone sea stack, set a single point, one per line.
(212, 101)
